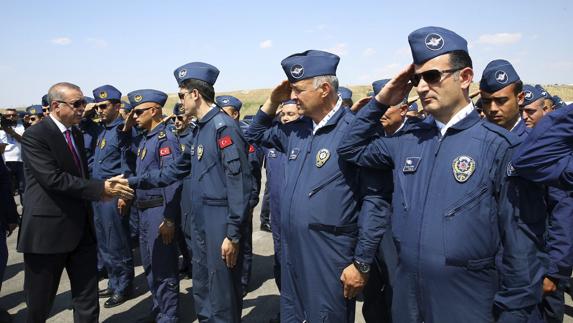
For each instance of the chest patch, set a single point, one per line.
(143, 153)
(293, 154)
(272, 154)
(251, 149)
(322, 157)
(463, 168)
(411, 164)
(102, 144)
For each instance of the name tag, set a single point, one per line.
(272, 154)
(411, 164)
(294, 154)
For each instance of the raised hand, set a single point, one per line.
(394, 91)
(359, 104)
(129, 122)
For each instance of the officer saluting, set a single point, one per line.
(158, 208)
(220, 186)
(456, 197)
(323, 244)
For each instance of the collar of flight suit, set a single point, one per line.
(114, 123)
(155, 130)
(213, 112)
(333, 120)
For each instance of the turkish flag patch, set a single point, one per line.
(225, 142)
(164, 151)
(251, 149)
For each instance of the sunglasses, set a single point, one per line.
(76, 105)
(180, 118)
(138, 112)
(101, 106)
(34, 118)
(182, 95)
(431, 76)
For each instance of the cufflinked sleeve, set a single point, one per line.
(376, 196)
(546, 155)
(361, 144)
(523, 262)
(238, 177)
(169, 151)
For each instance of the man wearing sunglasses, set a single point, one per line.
(457, 200)
(112, 217)
(45, 105)
(158, 208)
(35, 114)
(219, 187)
(57, 229)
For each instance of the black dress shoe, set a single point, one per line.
(105, 293)
(5, 317)
(266, 227)
(115, 300)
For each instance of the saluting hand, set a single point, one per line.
(353, 281)
(394, 91)
(360, 104)
(229, 252)
(279, 94)
(129, 122)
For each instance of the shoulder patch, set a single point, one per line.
(161, 135)
(219, 121)
(164, 151)
(225, 142)
(511, 138)
(510, 170)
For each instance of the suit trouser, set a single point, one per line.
(42, 273)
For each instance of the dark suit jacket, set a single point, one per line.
(57, 196)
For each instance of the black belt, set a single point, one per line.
(336, 230)
(149, 203)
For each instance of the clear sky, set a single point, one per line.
(138, 44)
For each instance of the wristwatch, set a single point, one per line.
(169, 223)
(362, 266)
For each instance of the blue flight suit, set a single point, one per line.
(275, 163)
(130, 160)
(256, 155)
(456, 201)
(112, 228)
(219, 185)
(185, 141)
(546, 156)
(558, 240)
(158, 149)
(332, 213)
(90, 131)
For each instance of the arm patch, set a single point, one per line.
(225, 142)
(164, 151)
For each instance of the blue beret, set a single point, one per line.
(290, 101)
(106, 92)
(196, 71)
(345, 93)
(378, 85)
(126, 106)
(229, 101)
(532, 94)
(35, 109)
(544, 93)
(497, 74)
(89, 100)
(178, 109)
(429, 42)
(309, 64)
(413, 107)
(142, 96)
(45, 100)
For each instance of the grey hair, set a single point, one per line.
(317, 81)
(55, 92)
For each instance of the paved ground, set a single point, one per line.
(260, 305)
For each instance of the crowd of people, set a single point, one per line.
(445, 211)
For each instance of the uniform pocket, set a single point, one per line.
(470, 230)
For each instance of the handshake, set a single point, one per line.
(117, 186)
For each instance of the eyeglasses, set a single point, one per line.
(182, 95)
(431, 76)
(180, 118)
(138, 112)
(76, 105)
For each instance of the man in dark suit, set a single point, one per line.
(57, 229)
